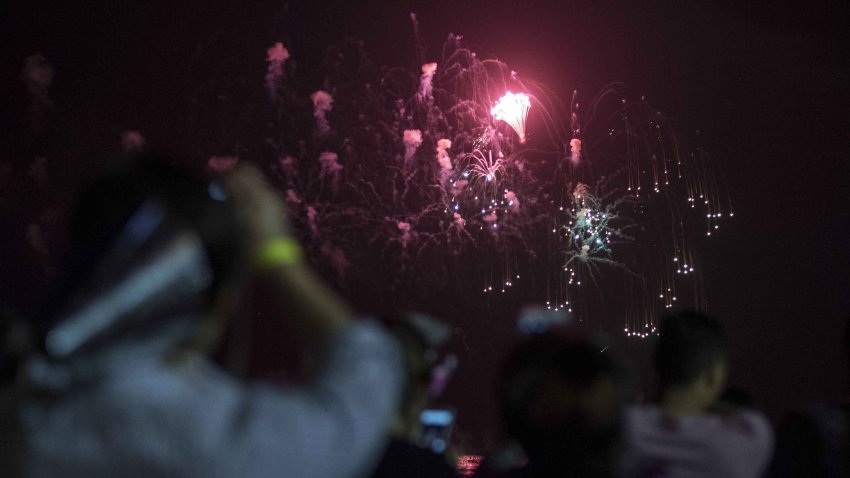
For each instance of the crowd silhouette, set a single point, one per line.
(132, 368)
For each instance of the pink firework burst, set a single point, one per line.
(513, 110)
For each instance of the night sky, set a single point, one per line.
(763, 87)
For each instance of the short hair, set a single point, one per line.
(575, 437)
(689, 343)
(105, 207)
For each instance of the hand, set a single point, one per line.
(263, 213)
(313, 308)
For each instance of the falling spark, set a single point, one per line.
(575, 151)
(276, 56)
(412, 140)
(428, 70)
(322, 104)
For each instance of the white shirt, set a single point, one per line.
(735, 444)
(126, 412)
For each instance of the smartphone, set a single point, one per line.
(437, 424)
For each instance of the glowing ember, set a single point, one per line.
(467, 464)
(513, 110)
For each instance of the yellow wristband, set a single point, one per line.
(280, 251)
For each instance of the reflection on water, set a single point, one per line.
(467, 464)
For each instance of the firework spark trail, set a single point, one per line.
(402, 199)
(656, 160)
(559, 120)
(330, 169)
(322, 105)
(481, 168)
(575, 151)
(412, 140)
(276, 56)
(425, 83)
(513, 110)
(444, 160)
(591, 229)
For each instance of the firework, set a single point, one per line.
(276, 56)
(221, 164)
(322, 104)
(330, 168)
(589, 232)
(404, 229)
(412, 140)
(512, 201)
(433, 192)
(132, 141)
(443, 159)
(428, 70)
(575, 151)
(483, 168)
(513, 110)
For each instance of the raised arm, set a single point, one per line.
(335, 424)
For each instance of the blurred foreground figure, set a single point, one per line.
(815, 442)
(122, 386)
(689, 433)
(420, 446)
(561, 402)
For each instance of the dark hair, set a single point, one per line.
(570, 437)
(105, 207)
(688, 344)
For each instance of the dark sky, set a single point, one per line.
(765, 85)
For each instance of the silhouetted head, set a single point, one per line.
(104, 209)
(149, 239)
(690, 347)
(561, 402)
